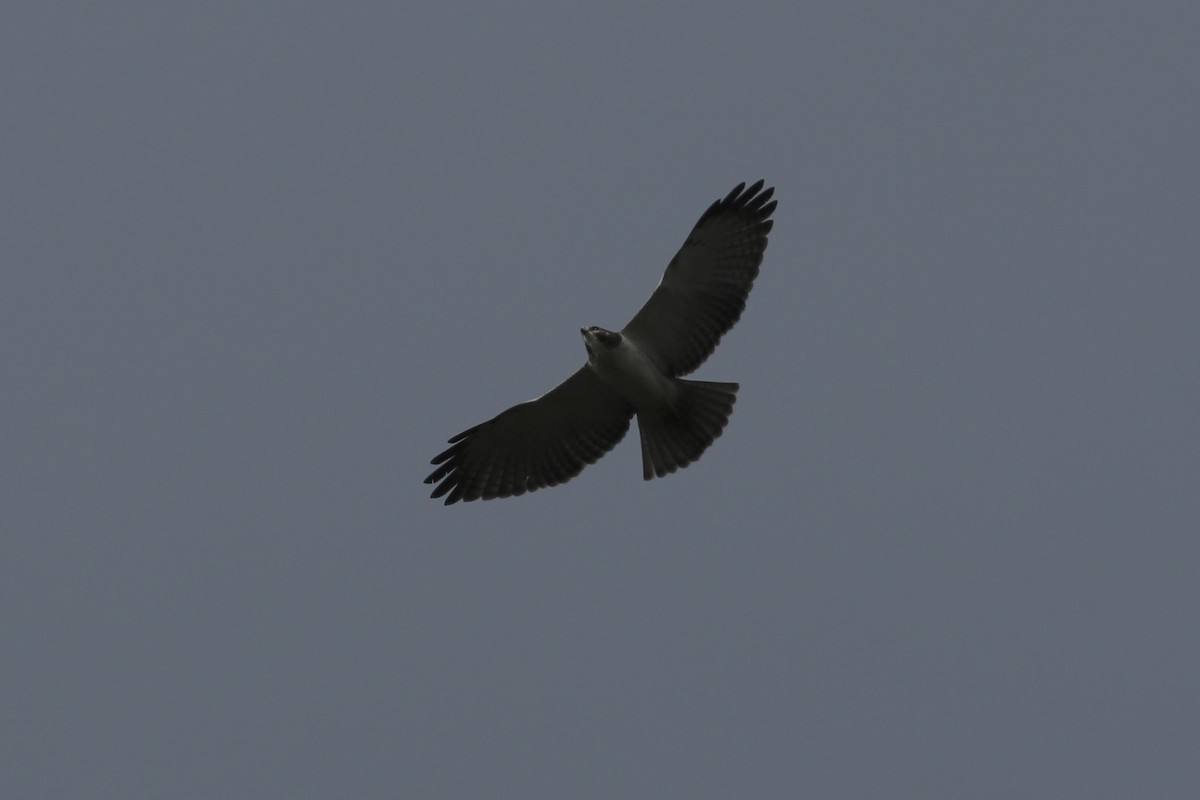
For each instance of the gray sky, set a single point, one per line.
(261, 260)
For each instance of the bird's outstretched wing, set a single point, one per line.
(703, 292)
(540, 443)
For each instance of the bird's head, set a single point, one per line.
(597, 339)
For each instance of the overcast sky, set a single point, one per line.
(260, 260)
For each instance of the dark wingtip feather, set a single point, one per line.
(753, 198)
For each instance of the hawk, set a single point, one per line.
(549, 440)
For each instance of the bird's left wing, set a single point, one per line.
(542, 442)
(704, 289)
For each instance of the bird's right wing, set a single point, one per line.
(542, 442)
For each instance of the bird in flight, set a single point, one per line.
(549, 440)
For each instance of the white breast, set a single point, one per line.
(634, 376)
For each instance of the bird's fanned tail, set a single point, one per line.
(675, 437)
